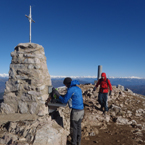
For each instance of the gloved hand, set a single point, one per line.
(94, 89)
(110, 93)
(54, 91)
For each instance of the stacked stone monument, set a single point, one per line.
(27, 87)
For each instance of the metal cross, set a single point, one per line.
(30, 20)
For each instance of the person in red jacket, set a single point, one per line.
(103, 92)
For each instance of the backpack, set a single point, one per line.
(107, 84)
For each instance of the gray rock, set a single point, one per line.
(31, 61)
(33, 107)
(122, 121)
(12, 127)
(42, 131)
(133, 123)
(18, 66)
(9, 138)
(12, 73)
(115, 108)
(49, 136)
(139, 126)
(139, 112)
(2, 141)
(107, 118)
(23, 107)
(37, 66)
(28, 98)
(128, 90)
(30, 66)
(41, 88)
(6, 109)
(120, 87)
(42, 110)
(11, 86)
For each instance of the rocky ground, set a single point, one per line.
(124, 124)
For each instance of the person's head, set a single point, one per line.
(103, 76)
(67, 82)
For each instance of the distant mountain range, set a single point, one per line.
(137, 85)
(1, 95)
(2, 83)
(114, 81)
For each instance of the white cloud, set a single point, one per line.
(4, 75)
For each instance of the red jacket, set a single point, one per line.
(103, 84)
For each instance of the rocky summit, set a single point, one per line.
(25, 120)
(123, 124)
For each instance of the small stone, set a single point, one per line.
(140, 141)
(121, 105)
(118, 140)
(30, 66)
(87, 138)
(139, 126)
(22, 139)
(2, 141)
(92, 134)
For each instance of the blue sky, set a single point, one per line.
(78, 35)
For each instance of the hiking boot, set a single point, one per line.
(101, 109)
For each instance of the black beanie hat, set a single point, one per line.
(67, 81)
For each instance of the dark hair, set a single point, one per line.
(67, 81)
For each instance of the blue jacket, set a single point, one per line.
(73, 96)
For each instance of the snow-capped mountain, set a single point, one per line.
(4, 75)
(134, 83)
(94, 77)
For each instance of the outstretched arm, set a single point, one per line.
(66, 97)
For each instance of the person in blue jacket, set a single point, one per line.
(75, 101)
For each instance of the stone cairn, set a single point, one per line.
(27, 87)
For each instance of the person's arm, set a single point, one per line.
(110, 87)
(65, 99)
(98, 83)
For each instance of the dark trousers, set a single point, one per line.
(75, 126)
(102, 98)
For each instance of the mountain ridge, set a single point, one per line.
(135, 84)
(4, 75)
